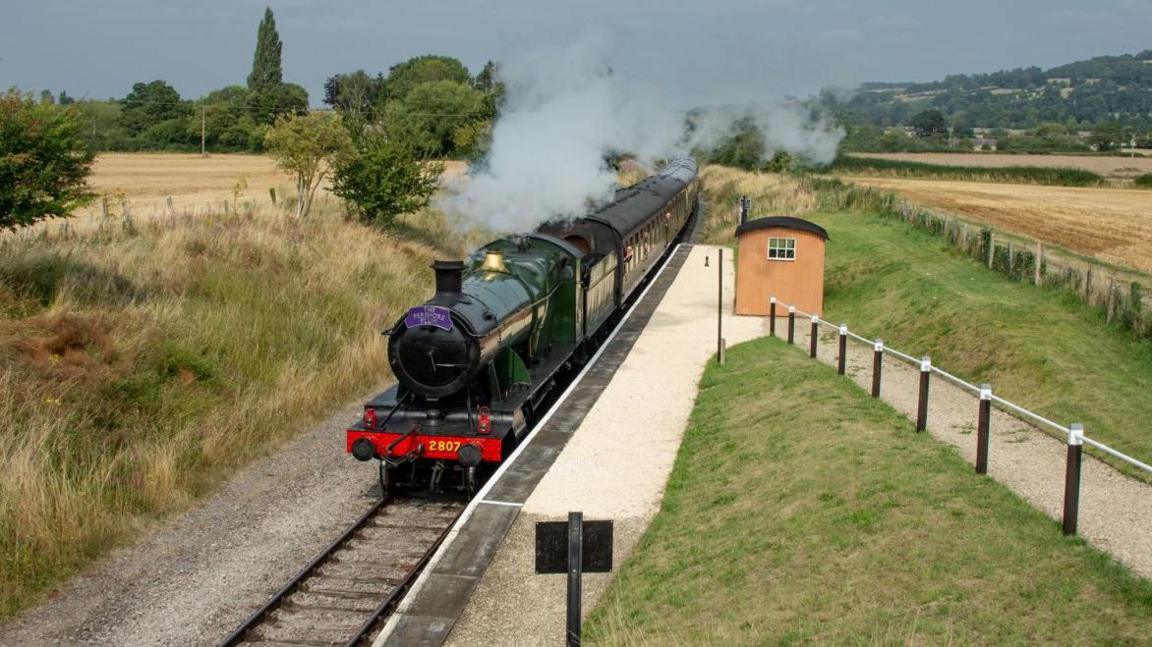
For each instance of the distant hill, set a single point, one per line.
(1082, 94)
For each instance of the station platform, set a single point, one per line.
(606, 451)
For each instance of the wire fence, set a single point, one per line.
(1073, 433)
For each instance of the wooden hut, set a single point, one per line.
(782, 257)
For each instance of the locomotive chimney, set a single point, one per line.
(449, 277)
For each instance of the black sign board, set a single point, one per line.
(552, 547)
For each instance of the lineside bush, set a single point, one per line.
(848, 164)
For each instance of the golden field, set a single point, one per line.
(1111, 167)
(194, 183)
(1113, 225)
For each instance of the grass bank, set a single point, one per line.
(1050, 176)
(1042, 348)
(142, 360)
(801, 510)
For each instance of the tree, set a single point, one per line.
(402, 77)
(43, 161)
(149, 104)
(354, 95)
(431, 115)
(304, 146)
(382, 178)
(930, 122)
(266, 69)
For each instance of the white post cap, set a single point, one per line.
(773, 299)
(1075, 434)
(815, 319)
(843, 329)
(791, 309)
(985, 391)
(925, 364)
(879, 345)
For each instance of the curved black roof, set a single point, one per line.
(635, 205)
(786, 222)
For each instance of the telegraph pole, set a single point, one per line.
(203, 123)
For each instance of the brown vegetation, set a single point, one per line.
(144, 358)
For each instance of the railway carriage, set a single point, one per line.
(477, 363)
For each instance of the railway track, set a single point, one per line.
(344, 594)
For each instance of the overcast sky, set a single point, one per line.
(709, 51)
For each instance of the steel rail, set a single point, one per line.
(237, 636)
(401, 590)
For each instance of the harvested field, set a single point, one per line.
(1113, 225)
(195, 183)
(146, 180)
(1111, 167)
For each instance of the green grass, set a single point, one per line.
(1013, 174)
(1043, 349)
(800, 510)
(1143, 181)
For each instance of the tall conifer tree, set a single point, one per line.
(266, 70)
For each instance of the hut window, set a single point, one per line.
(782, 249)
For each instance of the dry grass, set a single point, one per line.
(1113, 225)
(144, 357)
(775, 195)
(1112, 167)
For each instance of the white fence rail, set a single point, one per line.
(1074, 433)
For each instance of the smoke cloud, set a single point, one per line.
(566, 109)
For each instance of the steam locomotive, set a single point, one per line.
(477, 363)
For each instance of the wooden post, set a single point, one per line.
(791, 323)
(1072, 478)
(815, 333)
(772, 317)
(982, 427)
(922, 403)
(203, 130)
(991, 248)
(1039, 261)
(1011, 258)
(877, 366)
(1088, 286)
(842, 360)
(1110, 307)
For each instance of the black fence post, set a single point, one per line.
(1072, 478)
(877, 366)
(575, 567)
(772, 317)
(791, 323)
(842, 362)
(982, 425)
(813, 335)
(922, 404)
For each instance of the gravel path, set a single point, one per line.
(194, 578)
(1115, 510)
(614, 467)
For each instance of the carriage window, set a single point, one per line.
(782, 249)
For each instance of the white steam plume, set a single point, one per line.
(565, 110)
